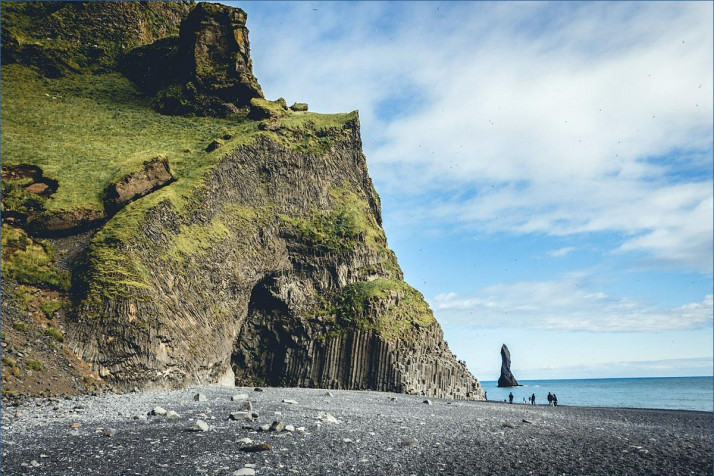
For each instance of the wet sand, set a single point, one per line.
(377, 434)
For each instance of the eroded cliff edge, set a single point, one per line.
(258, 258)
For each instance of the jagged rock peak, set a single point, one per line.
(206, 71)
(506, 379)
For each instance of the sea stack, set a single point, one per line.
(506, 379)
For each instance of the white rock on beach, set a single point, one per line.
(246, 406)
(158, 411)
(327, 418)
(199, 397)
(289, 428)
(239, 416)
(245, 441)
(240, 397)
(290, 402)
(172, 414)
(200, 426)
(244, 472)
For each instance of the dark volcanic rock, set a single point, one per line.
(206, 71)
(506, 379)
(154, 175)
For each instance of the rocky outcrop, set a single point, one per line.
(206, 71)
(506, 379)
(261, 297)
(153, 175)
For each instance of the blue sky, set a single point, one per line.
(545, 169)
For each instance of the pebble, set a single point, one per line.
(347, 440)
(249, 465)
(290, 402)
(277, 426)
(239, 416)
(240, 397)
(329, 394)
(257, 389)
(289, 428)
(265, 427)
(409, 442)
(327, 418)
(427, 402)
(257, 448)
(300, 429)
(158, 411)
(34, 463)
(244, 472)
(200, 426)
(172, 414)
(508, 424)
(246, 406)
(245, 441)
(75, 425)
(199, 397)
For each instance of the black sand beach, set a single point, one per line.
(377, 434)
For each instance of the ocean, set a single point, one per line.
(675, 393)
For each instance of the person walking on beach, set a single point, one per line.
(555, 401)
(533, 399)
(510, 397)
(550, 399)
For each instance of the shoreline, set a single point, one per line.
(585, 407)
(378, 433)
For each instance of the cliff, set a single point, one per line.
(165, 225)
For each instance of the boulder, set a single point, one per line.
(153, 175)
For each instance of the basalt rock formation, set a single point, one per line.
(506, 379)
(251, 251)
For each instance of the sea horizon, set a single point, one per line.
(667, 393)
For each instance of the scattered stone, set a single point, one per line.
(240, 397)
(329, 394)
(109, 433)
(265, 427)
(245, 441)
(290, 402)
(527, 421)
(216, 144)
(277, 426)
(409, 442)
(300, 429)
(75, 425)
(257, 389)
(244, 472)
(255, 415)
(392, 399)
(327, 418)
(427, 402)
(200, 426)
(34, 463)
(289, 428)
(172, 414)
(199, 397)
(246, 406)
(347, 440)
(249, 465)
(240, 416)
(158, 411)
(508, 424)
(257, 448)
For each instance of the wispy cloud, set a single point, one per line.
(560, 252)
(565, 305)
(548, 118)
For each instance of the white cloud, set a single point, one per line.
(560, 252)
(565, 305)
(521, 118)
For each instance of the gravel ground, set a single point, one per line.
(377, 434)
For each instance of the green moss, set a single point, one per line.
(362, 304)
(348, 223)
(263, 109)
(54, 334)
(50, 307)
(195, 239)
(30, 261)
(19, 326)
(11, 364)
(35, 365)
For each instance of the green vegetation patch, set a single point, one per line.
(30, 261)
(390, 307)
(55, 334)
(35, 365)
(50, 306)
(349, 222)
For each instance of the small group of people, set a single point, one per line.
(552, 399)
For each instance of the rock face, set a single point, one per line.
(265, 264)
(506, 379)
(206, 71)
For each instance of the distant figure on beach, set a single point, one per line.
(533, 399)
(550, 399)
(510, 397)
(524, 400)
(485, 395)
(555, 401)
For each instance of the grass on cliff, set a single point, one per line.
(390, 307)
(30, 261)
